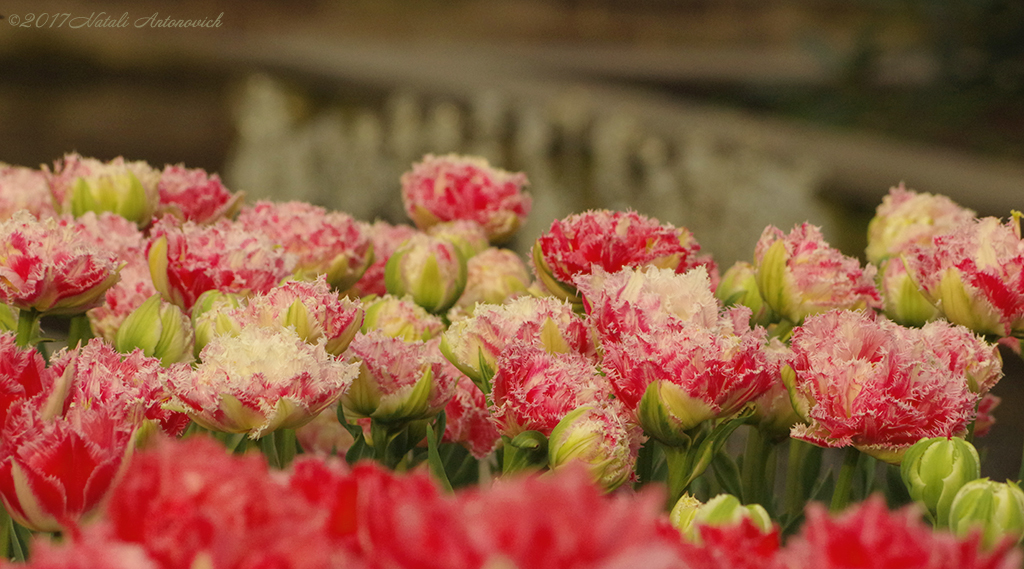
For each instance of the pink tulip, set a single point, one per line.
(975, 275)
(323, 242)
(192, 194)
(186, 260)
(452, 187)
(611, 240)
(47, 266)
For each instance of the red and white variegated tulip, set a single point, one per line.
(870, 535)
(186, 260)
(599, 437)
(975, 275)
(469, 419)
(611, 240)
(23, 374)
(474, 344)
(872, 384)
(258, 381)
(397, 381)
(799, 274)
(432, 271)
(642, 299)
(323, 242)
(127, 386)
(311, 308)
(906, 218)
(469, 236)
(494, 276)
(47, 266)
(193, 194)
(452, 187)
(24, 188)
(63, 449)
(54, 470)
(674, 378)
(534, 389)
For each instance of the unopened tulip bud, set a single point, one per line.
(722, 510)
(468, 236)
(211, 316)
(160, 329)
(432, 271)
(903, 301)
(494, 275)
(598, 439)
(935, 469)
(666, 412)
(739, 286)
(995, 508)
(401, 318)
(128, 189)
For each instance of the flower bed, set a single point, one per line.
(276, 385)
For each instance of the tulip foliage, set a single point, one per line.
(280, 385)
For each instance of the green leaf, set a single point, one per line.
(434, 458)
(727, 473)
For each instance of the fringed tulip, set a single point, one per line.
(535, 389)
(312, 309)
(46, 266)
(430, 270)
(874, 385)
(493, 276)
(258, 381)
(397, 381)
(597, 436)
(673, 380)
(975, 275)
(474, 344)
(469, 236)
(639, 300)
(799, 274)
(323, 242)
(452, 187)
(468, 419)
(869, 535)
(190, 504)
(611, 240)
(186, 260)
(906, 218)
(192, 194)
(54, 470)
(24, 188)
(401, 318)
(386, 239)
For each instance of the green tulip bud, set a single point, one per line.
(430, 270)
(160, 329)
(722, 510)
(935, 469)
(996, 508)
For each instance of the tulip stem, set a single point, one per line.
(755, 460)
(794, 482)
(844, 485)
(79, 330)
(27, 319)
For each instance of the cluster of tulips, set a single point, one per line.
(279, 385)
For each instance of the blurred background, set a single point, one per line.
(722, 116)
